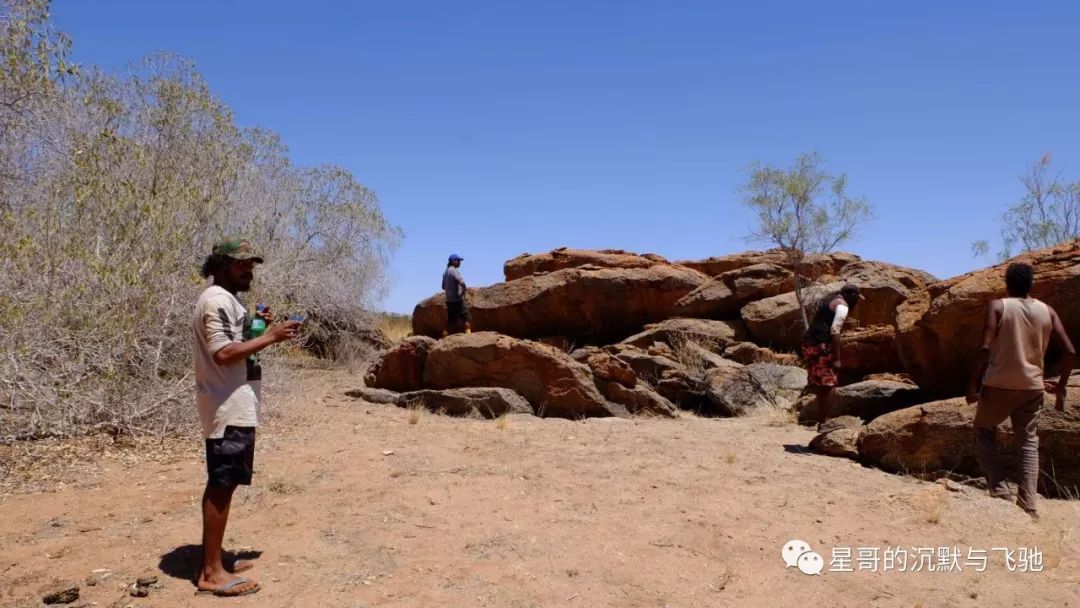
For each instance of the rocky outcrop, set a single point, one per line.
(402, 367)
(722, 297)
(553, 383)
(939, 347)
(640, 399)
(748, 352)
(869, 350)
(529, 264)
(486, 402)
(734, 390)
(812, 266)
(866, 400)
(586, 304)
(895, 297)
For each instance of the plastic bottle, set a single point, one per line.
(258, 324)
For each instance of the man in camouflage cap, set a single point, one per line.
(227, 380)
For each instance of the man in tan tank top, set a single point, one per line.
(1009, 371)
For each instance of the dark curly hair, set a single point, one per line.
(212, 264)
(1018, 280)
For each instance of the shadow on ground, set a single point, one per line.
(183, 562)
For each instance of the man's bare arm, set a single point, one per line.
(1068, 359)
(993, 317)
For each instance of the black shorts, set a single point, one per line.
(457, 312)
(230, 460)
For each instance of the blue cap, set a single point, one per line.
(455, 257)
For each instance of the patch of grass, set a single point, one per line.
(396, 327)
(500, 422)
(932, 504)
(730, 457)
(283, 487)
(726, 577)
(692, 351)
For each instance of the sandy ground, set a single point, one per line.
(359, 505)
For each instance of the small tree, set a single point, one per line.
(1048, 214)
(804, 211)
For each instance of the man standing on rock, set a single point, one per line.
(1009, 368)
(227, 379)
(821, 344)
(457, 312)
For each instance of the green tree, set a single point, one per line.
(803, 210)
(1047, 214)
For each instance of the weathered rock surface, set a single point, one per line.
(812, 267)
(676, 332)
(722, 297)
(475, 401)
(869, 350)
(734, 390)
(402, 367)
(938, 437)
(939, 348)
(895, 296)
(640, 399)
(552, 382)
(748, 352)
(838, 437)
(866, 400)
(529, 264)
(380, 396)
(585, 304)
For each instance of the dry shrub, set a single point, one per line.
(693, 351)
(112, 190)
(396, 327)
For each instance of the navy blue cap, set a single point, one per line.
(455, 257)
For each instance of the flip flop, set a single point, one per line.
(224, 590)
(242, 565)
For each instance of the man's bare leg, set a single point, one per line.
(823, 394)
(215, 506)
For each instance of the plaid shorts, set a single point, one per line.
(230, 460)
(819, 364)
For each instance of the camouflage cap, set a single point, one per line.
(237, 249)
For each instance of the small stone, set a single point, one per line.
(146, 580)
(97, 576)
(140, 592)
(60, 592)
(387, 452)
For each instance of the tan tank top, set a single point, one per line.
(1016, 357)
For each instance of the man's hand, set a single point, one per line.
(1058, 389)
(265, 315)
(286, 330)
(836, 364)
(972, 396)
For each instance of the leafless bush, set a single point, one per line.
(112, 189)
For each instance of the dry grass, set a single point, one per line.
(501, 421)
(726, 577)
(693, 351)
(730, 457)
(780, 416)
(396, 327)
(932, 504)
(416, 412)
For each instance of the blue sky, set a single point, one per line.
(499, 127)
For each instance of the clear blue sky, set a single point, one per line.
(499, 127)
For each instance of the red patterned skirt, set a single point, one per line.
(819, 364)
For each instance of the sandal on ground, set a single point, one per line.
(228, 589)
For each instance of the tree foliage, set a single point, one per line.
(1047, 214)
(113, 187)
(803, 210)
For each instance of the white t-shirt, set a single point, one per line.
(227, 395)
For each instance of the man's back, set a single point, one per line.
(1016, 357)
(453, 284)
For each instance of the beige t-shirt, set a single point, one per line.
(1016, 357)
(227, 395)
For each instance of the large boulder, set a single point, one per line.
(401, 368)
(939, 348)
(528, 264)
(937, 437)
(867, 400)
(838, 437)
(722, 297)
(586, 304)
(648, 367)
(869, 350)
(640, 399)
(487, 402)
(812, 266)
(676, 332)
(734, 390)
(553, 383)
(748, 352)
(895, 296)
